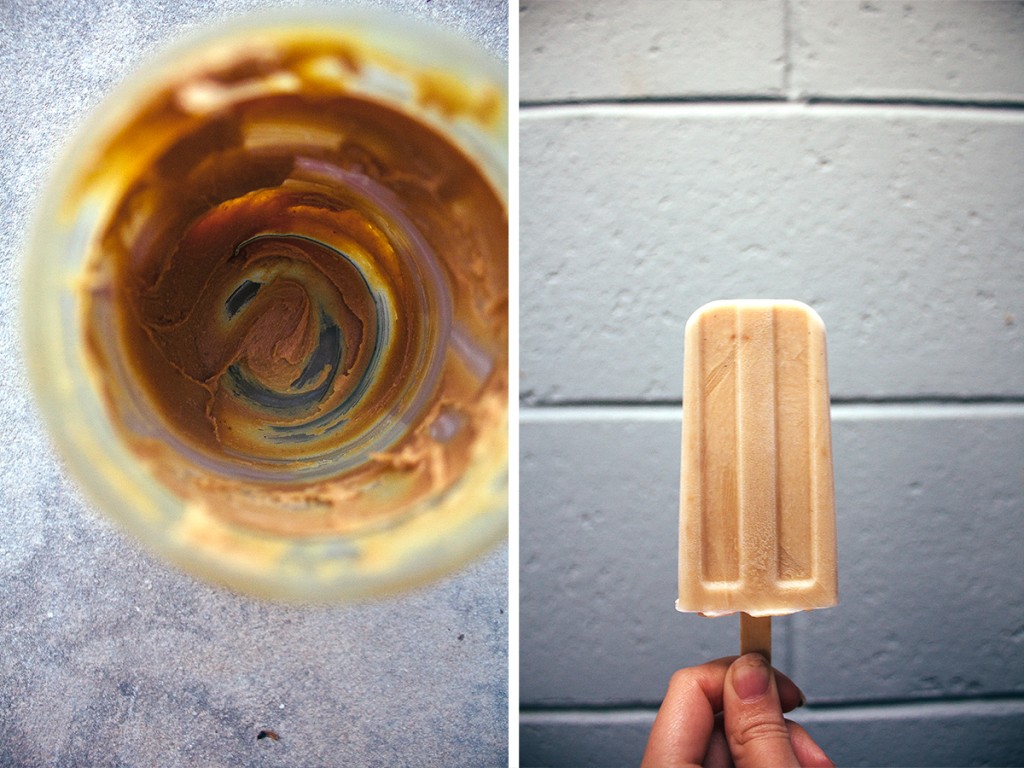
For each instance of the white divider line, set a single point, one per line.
(864, 411)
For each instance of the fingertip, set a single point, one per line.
(806, 749)
(790, 694)
(709, 677)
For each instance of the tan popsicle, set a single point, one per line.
(757, 509)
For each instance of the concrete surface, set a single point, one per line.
(635, 55)
(918, 51)
(865, 157)
(847, 205)
(109, 658)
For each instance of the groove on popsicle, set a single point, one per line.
(756, 456)
(718, 491)
(793, 394)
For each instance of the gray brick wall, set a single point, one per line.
(864, 157)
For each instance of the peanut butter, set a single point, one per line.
(296, 308)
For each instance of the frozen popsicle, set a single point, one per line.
(757, 511)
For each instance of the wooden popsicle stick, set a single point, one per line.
(756, 635)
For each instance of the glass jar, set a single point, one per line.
(265, 304)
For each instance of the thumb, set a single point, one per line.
(754, 726)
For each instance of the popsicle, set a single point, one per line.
(757, 509)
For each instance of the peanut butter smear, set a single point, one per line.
(296, 308)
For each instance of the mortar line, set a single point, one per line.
(953, 700)
(835, 401)
(616, 101)
(931, 400)
(916, 101)
(807, 102)
(841, 411)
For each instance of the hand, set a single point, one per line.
(728, 712)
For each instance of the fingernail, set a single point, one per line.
(803, 698)
(750, 679)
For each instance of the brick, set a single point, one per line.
(928, 503)
(902, 227)
(929, 533)
(583, 739)
(585, 50)
(598, 530)
(961, 50)
(947, 734)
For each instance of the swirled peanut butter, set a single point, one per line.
(296, 308)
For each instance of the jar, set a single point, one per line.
(265, 304)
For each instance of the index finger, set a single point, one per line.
(682, 729)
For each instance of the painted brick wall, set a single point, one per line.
(864, 157)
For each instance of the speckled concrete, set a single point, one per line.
(109, 657)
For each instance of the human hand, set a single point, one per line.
(728, 712)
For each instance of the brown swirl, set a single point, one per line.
(297, 305)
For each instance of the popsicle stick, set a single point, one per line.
(756, 635)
